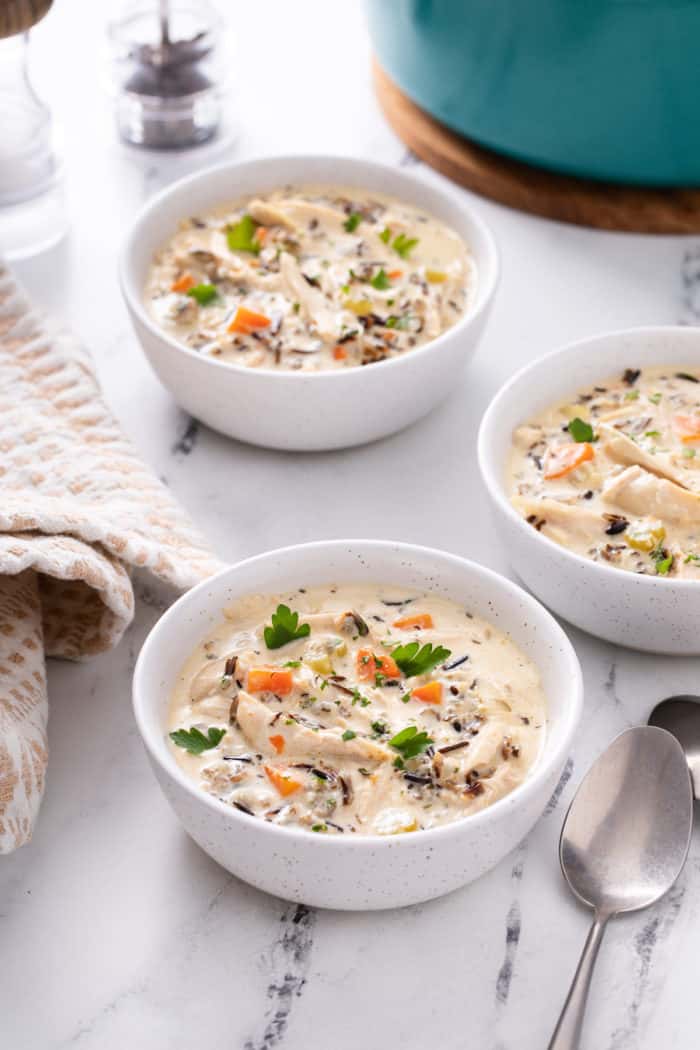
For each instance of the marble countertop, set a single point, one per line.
(115, 930)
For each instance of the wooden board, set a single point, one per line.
(605, 206)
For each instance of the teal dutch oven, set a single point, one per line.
(607, 89)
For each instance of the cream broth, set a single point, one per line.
(613, 473)
(313, 278)
(316, 709)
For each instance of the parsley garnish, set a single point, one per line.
(385, 235)
(405, 698)
(241, 237)
(689, 453)
(292, 663)
(349, 735)
(204, 293)
(352, 222)
(404, 245)
(319, 827)
(379, 728)
(401, 323)
(194, 740)
(285, 628)
(580, 430)
(410, 743)
(414, 661)
(692, 557)
(380, 281)
(652, 433)
(663, 560)
(632, 395)
(655, 398)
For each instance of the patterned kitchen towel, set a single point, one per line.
(78, 511)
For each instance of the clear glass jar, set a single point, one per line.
(167, 72)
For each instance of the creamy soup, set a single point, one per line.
(310, 278)
(613, 473)
(357, 709)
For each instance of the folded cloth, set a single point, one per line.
(78, 511)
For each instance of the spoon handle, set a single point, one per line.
(567, 1034)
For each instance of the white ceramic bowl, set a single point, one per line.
(642, 612)
(345, 871)
(296, 410)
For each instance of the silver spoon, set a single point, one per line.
(623, 845)
(680, 716)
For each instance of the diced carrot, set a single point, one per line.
(261, 234)
(277, 742)
(183, 284)
(247, 321)
(687, 427)
(430, 693)
(269, 680)
(424, 620)
(339, 353)
(369, 665)
(393, 274)
(562, 460)
(284, 784)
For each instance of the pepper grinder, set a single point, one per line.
(32, 211)
(167, 73)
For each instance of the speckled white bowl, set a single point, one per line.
(347, 871)
(297, 410)
(643, 612)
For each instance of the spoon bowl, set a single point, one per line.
(624, 843)
(680, 716)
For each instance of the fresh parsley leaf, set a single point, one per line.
(401, 323)
(663, 560)
(404, 245)
(292, 663)
(241, 237)
(319, 827)
(194, 740)
(580, 430)
(379, 679)
(380, 281)
(413, 660)
(691, 557)
(204, 293)
(409, 742)
(385, 235)
(352, 222)
(296, 307)
(349, 735)
(655, 398)
(285, 628)
(405, 698)
(652, 433)
(632, 395)
(379, 728)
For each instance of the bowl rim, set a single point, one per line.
(544, 766)
(495, 485)
(402, 178)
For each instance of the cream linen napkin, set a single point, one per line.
(78, 510)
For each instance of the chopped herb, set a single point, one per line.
(358, 698)
(405, 698)
(398, 762)
(379, 728)
(413, 660)
(404, 245)
(580, 430)
(379, 679)
(285, 628)
(296, 307)
(385, 235)
(292, 663)
(349, 735)
(689, 453)
(194, 740)
(410, 742)
(319, 827)
(204, 293)
(632, 395)
(663, 560)
(691, 557)
(655, 398)
(352, 222)
(241, 237)
(345, 288)
(380, 281)
(652, 433)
